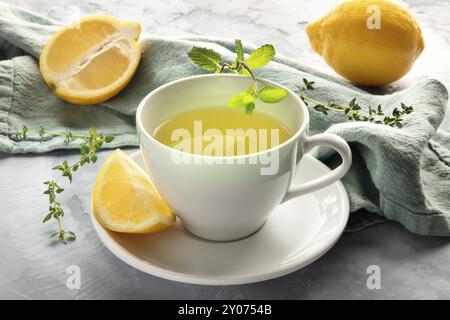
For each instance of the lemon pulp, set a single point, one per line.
(92, 59)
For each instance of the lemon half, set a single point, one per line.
(125, 200)
(92, 59)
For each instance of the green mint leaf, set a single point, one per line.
(271, 95)
(244, 72)
(252, 90)
(239, 50)
(248, 98)
(260, 57)
(241, 100)
(249, 107)
(207, 59)
(236, 100)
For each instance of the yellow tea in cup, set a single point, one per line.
(221, 131)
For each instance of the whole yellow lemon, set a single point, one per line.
(370, 42)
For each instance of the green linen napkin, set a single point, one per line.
(397, 174)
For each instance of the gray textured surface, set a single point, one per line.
(32, 266)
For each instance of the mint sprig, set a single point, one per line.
(206, 59)
(260, 57)
(271, 95)
(239, 49)
(211, 61)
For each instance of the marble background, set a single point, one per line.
(32, 266)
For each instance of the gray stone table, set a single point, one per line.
(32, 266)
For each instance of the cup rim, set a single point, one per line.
(298, 133)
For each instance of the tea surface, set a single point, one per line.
(221, 131)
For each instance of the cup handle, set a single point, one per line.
(328, 140)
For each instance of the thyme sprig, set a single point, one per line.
(91, 143)
(353, 111)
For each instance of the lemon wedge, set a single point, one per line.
(125, 200)
(92, 59)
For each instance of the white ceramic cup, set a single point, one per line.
(228, 198)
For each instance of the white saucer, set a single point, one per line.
(297, 233)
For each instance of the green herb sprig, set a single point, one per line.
(212, 61)
(353, 110)
(91, 143)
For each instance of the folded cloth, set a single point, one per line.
(397, 174)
